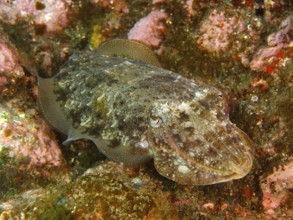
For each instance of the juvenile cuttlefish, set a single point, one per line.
(133, 110)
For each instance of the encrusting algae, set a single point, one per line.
(133, 110)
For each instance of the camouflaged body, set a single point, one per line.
(134, 112)
(106, 98)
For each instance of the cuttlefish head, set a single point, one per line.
(194, 142)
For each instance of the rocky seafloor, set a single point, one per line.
(243, 47)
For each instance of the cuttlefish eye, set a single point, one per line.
(155, 121)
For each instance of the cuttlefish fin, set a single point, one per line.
(75, 134)
(129, 49)
(50, 109)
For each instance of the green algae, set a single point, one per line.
(14, 180)
(96, 195)
(103, 195)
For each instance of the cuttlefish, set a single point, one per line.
(134, 111)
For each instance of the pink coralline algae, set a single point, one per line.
(9, 61)
(217, 30)
(26, 136)
(53, 14)
(221, 34)
(151, 29)
(10, 67)
(279, 49)
(276, 188)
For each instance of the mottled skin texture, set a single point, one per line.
(135, 111)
